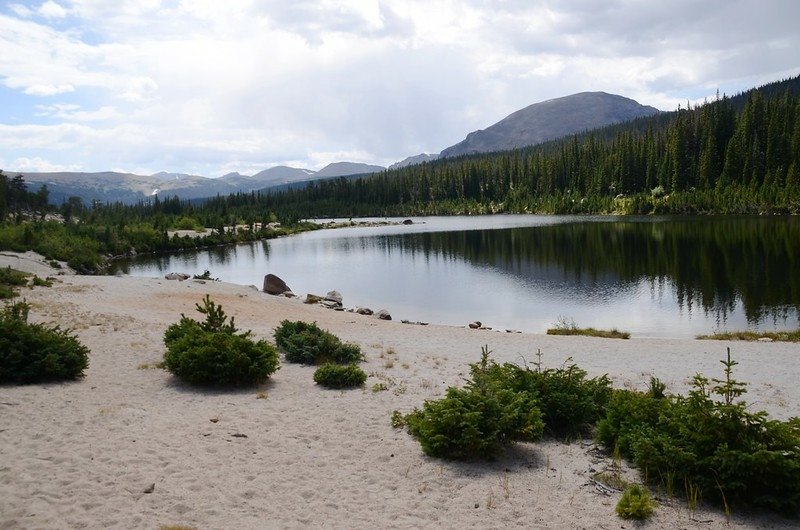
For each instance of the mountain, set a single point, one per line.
(551, 119)
(535, 124)
(107, 186)
(341, 169)
(163, 175)
(110, 186)
(281, 175)
(412, 160)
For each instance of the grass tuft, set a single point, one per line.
(777, 336)
(565, 326)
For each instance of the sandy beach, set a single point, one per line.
(129, 446)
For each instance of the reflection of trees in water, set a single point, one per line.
(712, 263)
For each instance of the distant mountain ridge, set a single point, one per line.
(534, 124)
(412, 160)
(343, 169)
(110, 186)
(549, 120)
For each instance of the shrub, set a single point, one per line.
(475, 421)
(9, 276)
(709, 442)
(635, 503)
(570, 403)
(398, 419)
(339, 376)
(188, 223)
(308, 344)
(213, 353)
(41, 282)
(31, 353)
(628, 412)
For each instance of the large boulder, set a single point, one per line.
(177, 276)
(383, 315)
(334, 296)
(364, 311)
(274, 285)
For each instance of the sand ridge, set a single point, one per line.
(129, 446)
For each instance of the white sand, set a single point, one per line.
(290, 454)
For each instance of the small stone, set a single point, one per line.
(313, 299)
(214, 420)
(765, 339)
(363, 311)
(150, 489)
(475, 325)
(383, 315)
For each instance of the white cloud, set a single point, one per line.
(21, 10)
(73, 112)
(240, 85)
(39, 165)
(51, 9)
(48, 90)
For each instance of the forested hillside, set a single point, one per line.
(731, 155)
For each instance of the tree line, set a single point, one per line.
(730, 155)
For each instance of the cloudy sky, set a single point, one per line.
(212, 86)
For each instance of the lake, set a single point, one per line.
(651, 276)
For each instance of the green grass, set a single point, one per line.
(778, 336)
(566, 326)
(590, 332)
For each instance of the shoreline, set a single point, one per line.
(82, 454)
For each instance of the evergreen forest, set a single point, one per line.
(730, 156)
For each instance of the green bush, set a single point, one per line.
(188, 223)
(31, 353)
(476, 421)
(570, 403)
(710, 443)
(628, 412)
(308, 344)
(635, 503)
(9, 276)
(339, 376)
(41, 282)
(212, 353)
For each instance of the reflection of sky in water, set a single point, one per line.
(377, 268)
